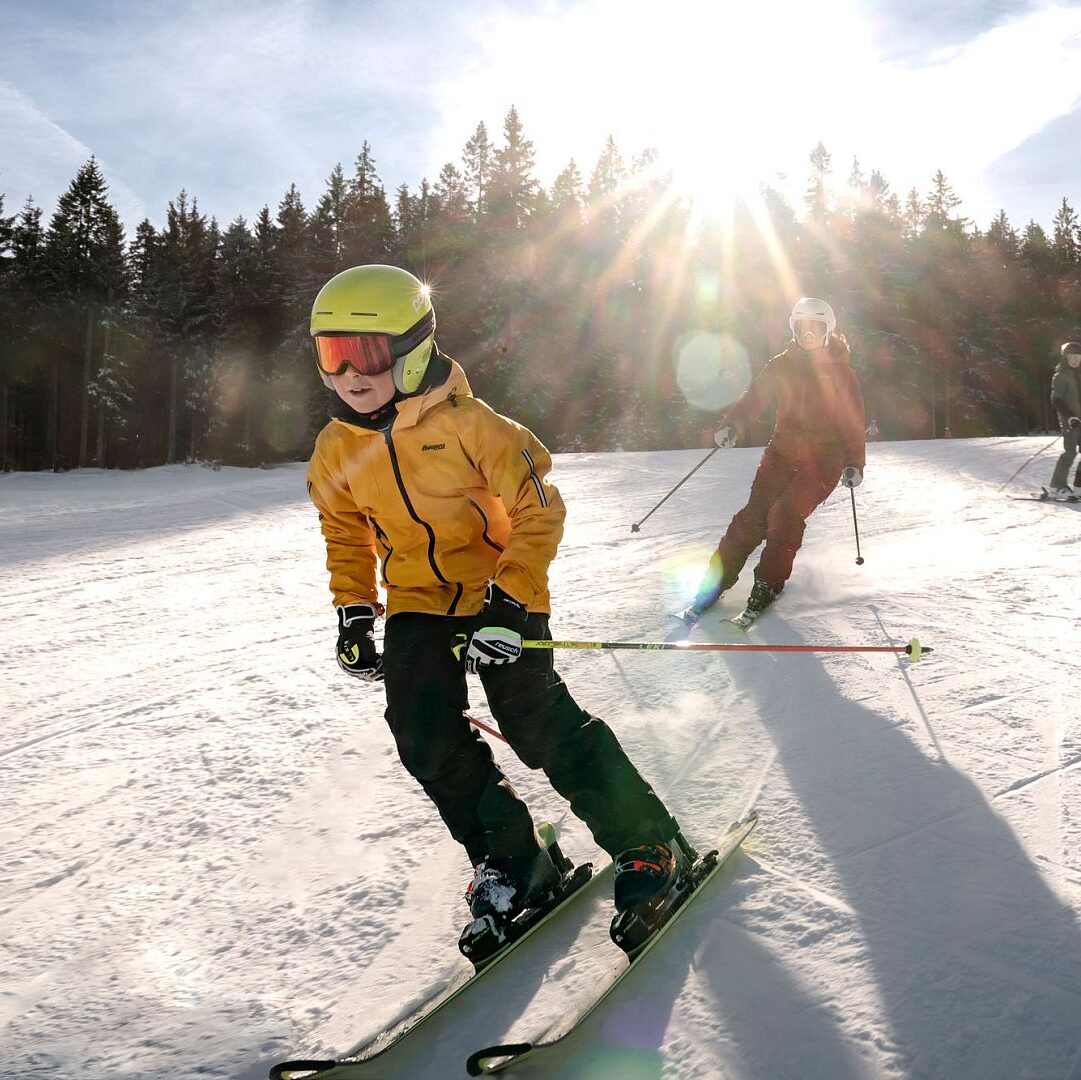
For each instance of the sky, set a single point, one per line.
(212, 858)
(233, 101)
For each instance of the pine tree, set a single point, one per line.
(9, 321)
(940, 204)
(1065, 235)
(23, 373)
(513, 193)
(1002, 236)
(85, 274)
(477, 159)
(603, 198)
(367, 229)
(451, 195)
(186, 320)
(327, 229)
(568, 195)
(293, 258)
(815, 196)
(915, 213)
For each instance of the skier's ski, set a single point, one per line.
(1047, 496)
(357, 1060)
(493, 1059)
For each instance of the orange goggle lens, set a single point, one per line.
(370, 354)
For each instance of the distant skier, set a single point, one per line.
(818, 439)
(872, 431)
(1066, 398)
(416, 474)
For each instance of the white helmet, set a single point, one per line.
(809, 309)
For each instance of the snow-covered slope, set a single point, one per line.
(211, 858)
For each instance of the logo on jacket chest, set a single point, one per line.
(434, 446)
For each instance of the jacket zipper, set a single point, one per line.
(423, 524)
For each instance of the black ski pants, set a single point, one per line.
(580, 755)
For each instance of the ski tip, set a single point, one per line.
(300, 1070)
(495, 1058)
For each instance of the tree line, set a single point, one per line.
(568, 306)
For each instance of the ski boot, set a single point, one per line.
(712, 588)
(652, 880)
(761, 597)
(510, 893)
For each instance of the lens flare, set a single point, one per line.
(712, 369)
(683, 571)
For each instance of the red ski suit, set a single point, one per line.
(820, 429)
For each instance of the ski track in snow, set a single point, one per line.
(211, 859)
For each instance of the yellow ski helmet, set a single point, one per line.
(376, 318)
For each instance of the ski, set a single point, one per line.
(357, 1062)
(493, 1059)
(1046, 496)
(1063, 500)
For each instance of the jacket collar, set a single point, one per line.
(443, 381)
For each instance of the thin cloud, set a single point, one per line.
(46, 159)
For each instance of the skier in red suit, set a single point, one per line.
(818, 440)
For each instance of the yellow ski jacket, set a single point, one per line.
(448, 497)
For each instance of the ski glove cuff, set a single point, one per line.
(498, 637)
(725, 437)
(357, 654)
(851, 476)
(1075, 422)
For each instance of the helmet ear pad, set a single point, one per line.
(409, 369)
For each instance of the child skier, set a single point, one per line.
(1066, 398)
(818, 438)
(451, 500)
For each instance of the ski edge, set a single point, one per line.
(495, 1059)
(374, 1048)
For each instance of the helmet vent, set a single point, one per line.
(370, 314)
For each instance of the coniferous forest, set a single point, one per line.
(568, 307)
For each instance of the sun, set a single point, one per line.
(728, 95)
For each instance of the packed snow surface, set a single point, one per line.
(211, 858)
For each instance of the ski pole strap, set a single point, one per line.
(914, 650)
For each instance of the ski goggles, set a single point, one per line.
(810, 329)
(370, 354)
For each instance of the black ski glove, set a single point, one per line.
(357, 654)
(500, 625)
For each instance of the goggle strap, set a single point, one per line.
(407, 342)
